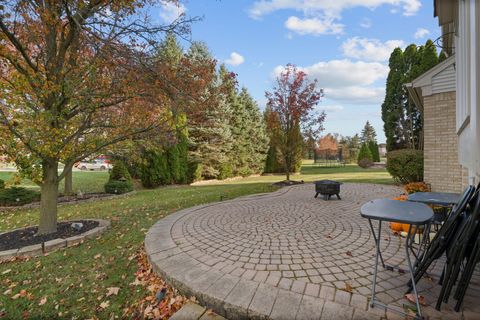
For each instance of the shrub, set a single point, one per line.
(2, 184)
(365, 163)
(155, 171)
(373, 146)
(16, 196)
(416, 187)
(195, 172)
(118, 186)
(226, 171)
(119, 171)
(405, 165)
(364, 153)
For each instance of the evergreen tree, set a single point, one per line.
(373, 146)
(368, 133)
(403, 121)
(365, 153)
(210, 132)
(255, 133)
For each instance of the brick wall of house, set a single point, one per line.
(441, 170)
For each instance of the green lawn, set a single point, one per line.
(74, 281)
(84, 181)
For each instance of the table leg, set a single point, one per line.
(377, 245)
(375, 239)
(408, 243)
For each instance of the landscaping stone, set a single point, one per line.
(31, 251)
(73, 241)
(55, 244)
(285, 255)
(8, 254)
(190, 311)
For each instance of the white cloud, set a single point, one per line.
(313, 26)
(347, 81)
(356, 95)
(171, 12)
(370, 49)
(331, 108)
(366, 23)
(330, 8)
(421, 33)
(235, 59)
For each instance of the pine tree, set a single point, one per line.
(210, 132)
(403, 121)
(365, 153)
(255, 133)
(368, 133)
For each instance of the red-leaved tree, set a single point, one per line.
(291, 110)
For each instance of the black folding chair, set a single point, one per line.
(440, 243)
(467, 274)
(458, 251)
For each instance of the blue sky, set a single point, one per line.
(345, 44)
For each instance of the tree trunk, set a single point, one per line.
(48, 202)
(68, 182)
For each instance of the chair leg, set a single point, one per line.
(316, 194)
(338, 197)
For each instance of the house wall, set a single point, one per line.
(441, 168)
(467, 47)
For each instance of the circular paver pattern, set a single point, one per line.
(267, 255)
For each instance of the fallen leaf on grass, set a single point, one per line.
(7, 271)
(42, 301)
(97, 256)
(105, 304)
(411, 297)
(112, 291)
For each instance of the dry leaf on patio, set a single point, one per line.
(348, 287)
(349, 253)
(411, 297)
(112, 291)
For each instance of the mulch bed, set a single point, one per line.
(27, 237)
(286, 183)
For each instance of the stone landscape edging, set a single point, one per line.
(55, 244)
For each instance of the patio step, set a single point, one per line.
(193, 311)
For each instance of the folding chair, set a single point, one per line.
(440, 243)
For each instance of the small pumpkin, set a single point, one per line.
(395, 226)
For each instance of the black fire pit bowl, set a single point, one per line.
(327, 188)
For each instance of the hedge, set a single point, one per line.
(118, 186)
(17, 196)
(405, 165)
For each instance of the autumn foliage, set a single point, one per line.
(79, 76)
(291, 110)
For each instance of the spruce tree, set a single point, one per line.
(368, 133)
(210, 132)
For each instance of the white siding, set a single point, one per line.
(444, 81)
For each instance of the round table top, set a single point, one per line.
(435, 198)
(397, 211)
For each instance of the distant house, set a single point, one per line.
(382, 149)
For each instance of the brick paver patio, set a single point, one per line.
(287, 255)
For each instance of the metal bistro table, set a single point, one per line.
(441, 199)
(414, 214)
(446, 200)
